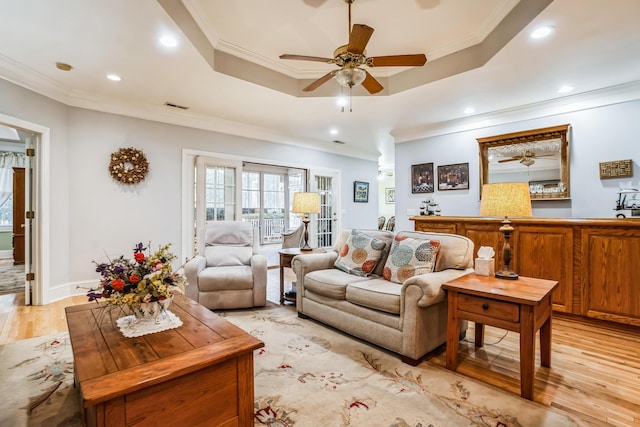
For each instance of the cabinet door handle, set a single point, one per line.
(485, 306)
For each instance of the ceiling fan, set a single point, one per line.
(352, 56)
(526, 158)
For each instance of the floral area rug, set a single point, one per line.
(306, 375)
(311, 375)
(11, 279)
(37, 383)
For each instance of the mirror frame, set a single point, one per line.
(528, 136)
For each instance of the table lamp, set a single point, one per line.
(305, 204)
(507, 199)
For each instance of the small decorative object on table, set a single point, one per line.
(144, 284)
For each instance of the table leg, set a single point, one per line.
(453, 330)
(281, 283)
(479, 334)
(527, 351)
(545, 342)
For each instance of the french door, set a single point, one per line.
(327, 223)
(267, 193)
(217, 190)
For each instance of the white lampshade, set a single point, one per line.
(306, 203)
(505, 199)
(349, 77)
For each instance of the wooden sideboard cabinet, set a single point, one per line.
(595, 260)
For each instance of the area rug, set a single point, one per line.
(37, 383)
(11, 279)
(310, 375)
(306, 375)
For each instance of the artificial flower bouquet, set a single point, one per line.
(145, 278)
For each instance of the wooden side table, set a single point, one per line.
(522, 306)
(286, 256)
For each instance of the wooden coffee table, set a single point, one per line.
(199, 373)
(522, 305)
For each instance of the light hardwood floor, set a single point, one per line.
(594, 375)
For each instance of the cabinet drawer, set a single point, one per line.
(487, 307)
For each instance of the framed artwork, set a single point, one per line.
(389, 195)
(360, 192)
(616, 169)
(422, 178)
(453, 177)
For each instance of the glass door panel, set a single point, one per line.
(216, 190)
(326, 224)
(273, 212)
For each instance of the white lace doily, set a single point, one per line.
(132, 327)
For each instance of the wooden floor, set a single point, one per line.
(594, 375)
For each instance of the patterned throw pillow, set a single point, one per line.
(360, 254)
(410, 257)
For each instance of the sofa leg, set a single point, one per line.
(302, 316)
(410, 361)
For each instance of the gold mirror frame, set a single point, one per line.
(561, 192)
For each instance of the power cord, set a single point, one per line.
(493, 343)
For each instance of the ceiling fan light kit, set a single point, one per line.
(352, 56)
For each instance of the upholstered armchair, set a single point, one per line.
(293, 238)
(228, 271)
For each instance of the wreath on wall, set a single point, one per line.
(128, 166)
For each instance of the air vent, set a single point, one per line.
(171, 104)
(338, 142)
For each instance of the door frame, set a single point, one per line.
(39, 239)
(188, 183)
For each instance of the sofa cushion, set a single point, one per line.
(384, 235)
(410, 257)
(331, 283)
(228, 278)
(455, 251)
(360, 254)
(378, 294)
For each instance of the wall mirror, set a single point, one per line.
(539, 157)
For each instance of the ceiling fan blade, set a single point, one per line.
(371, 84)
(397, 60)
(359, 37)
(306, 58)
(513, 159)
(322, 80)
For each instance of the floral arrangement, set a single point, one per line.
(145, 278)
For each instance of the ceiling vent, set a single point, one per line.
(335, 141)
(171, 104)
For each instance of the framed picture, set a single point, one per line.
(422, 178)
(389, 195)
(453, 177)
(360, 192)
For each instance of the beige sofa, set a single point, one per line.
(408, 318)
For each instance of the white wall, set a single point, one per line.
(597, 134)
(92, 215)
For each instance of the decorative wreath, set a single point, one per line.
(128, 166)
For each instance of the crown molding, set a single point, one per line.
(567, 104)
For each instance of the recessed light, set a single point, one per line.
(542, 32)
(333, 131)
(565, 89)
(469, 110)
(114, 77)
(168, 41)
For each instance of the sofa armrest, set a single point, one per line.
(431, 285)
(303, 264)
(259, 270)
(191, 271)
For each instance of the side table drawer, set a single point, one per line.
(487, 307)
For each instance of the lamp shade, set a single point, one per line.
(306, 203)
(505, 199)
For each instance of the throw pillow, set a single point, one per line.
(360, 254)
(410, 257)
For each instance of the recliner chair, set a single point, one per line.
(228, 271)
